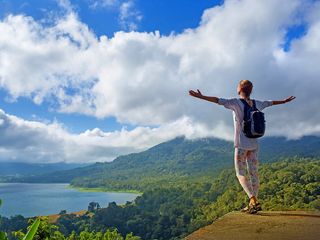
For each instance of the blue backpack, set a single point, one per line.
(254, 124)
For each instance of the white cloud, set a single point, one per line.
(103, 3)
(129, 16)
(143, 78)
(66, 5)
(34, 141)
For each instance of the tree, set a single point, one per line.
(93, 206)
(63, 212)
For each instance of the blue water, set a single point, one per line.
(33, 199)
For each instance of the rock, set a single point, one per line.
(273, 225)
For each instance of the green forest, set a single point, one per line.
(173, 208)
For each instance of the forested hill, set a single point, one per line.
(172, 160)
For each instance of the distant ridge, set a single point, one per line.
(22, 168)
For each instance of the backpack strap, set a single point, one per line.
(254, 105)
(246, 109)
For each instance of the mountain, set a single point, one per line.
(176, 159)
(274, 147)
(20, 168)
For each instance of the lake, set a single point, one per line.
(32, 199)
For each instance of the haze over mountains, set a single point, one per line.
(20, 168)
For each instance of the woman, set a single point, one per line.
(246, 149)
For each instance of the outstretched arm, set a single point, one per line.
(198, 94)
(283, 101)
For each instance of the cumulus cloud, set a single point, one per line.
(35, 141)
(143, 78)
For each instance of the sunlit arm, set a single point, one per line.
(198, 94)
(283, 101)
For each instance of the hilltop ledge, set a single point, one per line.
(284, 225)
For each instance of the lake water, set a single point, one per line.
(30, 199)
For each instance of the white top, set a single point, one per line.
(235, 104)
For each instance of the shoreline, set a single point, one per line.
(83, 189)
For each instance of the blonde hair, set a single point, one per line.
(245, 87)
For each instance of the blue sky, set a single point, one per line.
(88, 80)
(163, 15)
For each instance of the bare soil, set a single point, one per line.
(273, 225)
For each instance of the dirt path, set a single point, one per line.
(263, 226)
(54, 217)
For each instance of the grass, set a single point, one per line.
(81, 189)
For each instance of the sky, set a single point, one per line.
(89, 80)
